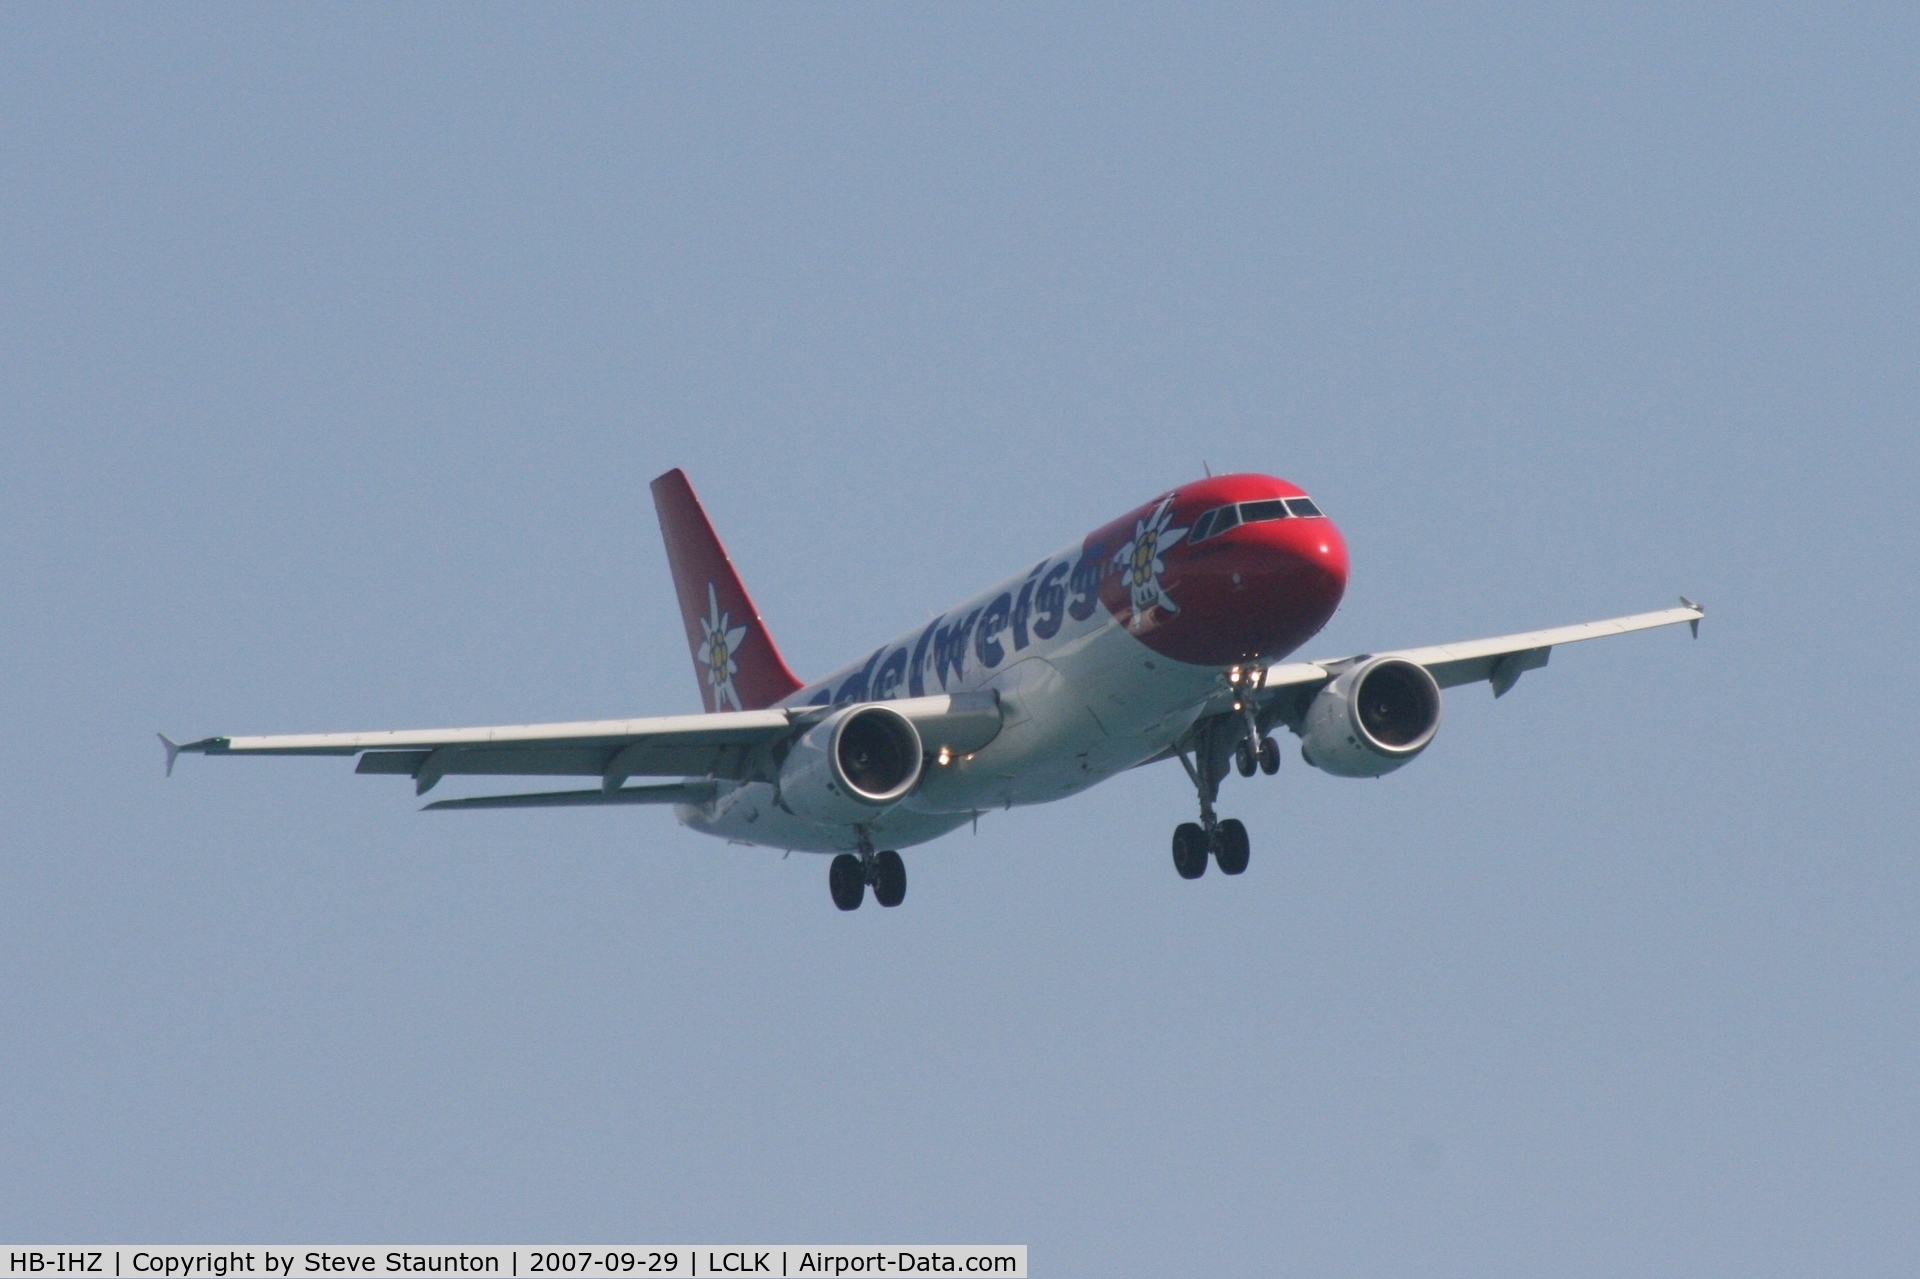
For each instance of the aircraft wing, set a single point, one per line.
(1500, 660)
(734, 745)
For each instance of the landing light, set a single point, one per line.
(945, 757)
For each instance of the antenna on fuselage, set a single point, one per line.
(1206, 468)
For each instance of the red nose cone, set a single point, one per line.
(1258, 592)
(1255, 592)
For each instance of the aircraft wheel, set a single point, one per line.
(1269, 756)
(1243, 759)
(1189, 850)
(889, 879)
(846, 883)
(1231, 848)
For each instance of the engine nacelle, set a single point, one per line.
(851, 765)
(1373, 718)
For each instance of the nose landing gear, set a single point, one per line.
(1256, 749)
(1263, 757)
(848, 877)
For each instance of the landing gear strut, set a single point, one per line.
(848, 877)
(1225, 840)
(1256, 749)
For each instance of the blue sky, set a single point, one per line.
(339, 344)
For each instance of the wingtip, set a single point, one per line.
(172, 748)
(1694, 625)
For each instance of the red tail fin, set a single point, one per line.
(733, 656)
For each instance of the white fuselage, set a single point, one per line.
(1081, 699)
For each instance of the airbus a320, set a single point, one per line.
(1161, 636)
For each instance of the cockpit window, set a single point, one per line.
(1213, 523)
(1222, 518)
(1256, 512)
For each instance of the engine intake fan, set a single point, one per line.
(851, 764)
(1373, 718)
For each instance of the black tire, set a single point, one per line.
(1269, 756)
(1243, 759)
(889, 879)
(1189, 850)
(846, 883)
(1230, 846)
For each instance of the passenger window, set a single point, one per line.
(1200, 527)
(1302, 506)
(1258, 512)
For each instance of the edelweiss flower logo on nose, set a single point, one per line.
(1140, 564)
(717, 645)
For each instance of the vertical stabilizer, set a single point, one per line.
(734, 659)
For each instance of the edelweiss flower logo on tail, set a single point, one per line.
(1140, 564)
(717, 645)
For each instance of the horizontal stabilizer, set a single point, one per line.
(677, 793)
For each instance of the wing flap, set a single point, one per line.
(499, 761)
(392, 763)
(676, 793)
(667, 759)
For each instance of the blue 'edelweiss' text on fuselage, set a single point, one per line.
(1059, 589)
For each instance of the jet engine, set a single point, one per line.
(1374, 717)
(852, 764)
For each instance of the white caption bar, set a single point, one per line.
(509, 1261)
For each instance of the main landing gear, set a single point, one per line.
(1225, 841)
(848, 877)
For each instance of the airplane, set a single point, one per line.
(1160, 636)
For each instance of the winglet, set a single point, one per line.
(176, 749)
(1694, 625)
